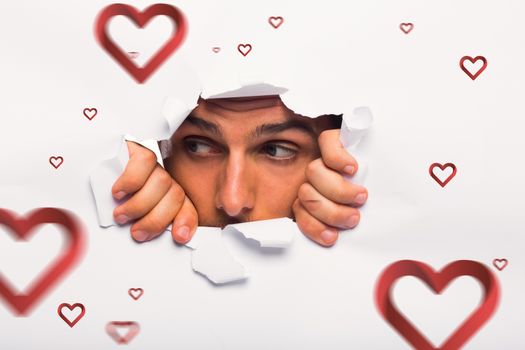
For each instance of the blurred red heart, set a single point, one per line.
(140, 19)
(276, 21)
(56, 161)
(244, 49)
(135, 293)
(132, 330)
(90, 113)
(437, 282)
(406, 27)
(500, 264)
(23, 228)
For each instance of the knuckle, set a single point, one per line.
(312, 168)
(147, 156)
(153, 225)
(132, 182)
(323, 137)
(303, 193)
(163, 178)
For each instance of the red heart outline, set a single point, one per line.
(87, 111)
(140, 19)
(442, 167)
(273, 19)
(133, 329)
(496, 262)
(60, 160)
(473, 60)
(71, 307)
(240, 47)
(131, 290)
(23, 228)
(437, 281)
(403, 25)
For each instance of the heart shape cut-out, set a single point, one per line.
(244, 49)
(135, 293)
(276, 21)
(437, 282)
(73, 322)
(132, 330)
(436, 177)
(23, 228)
(406, 27)
(473, 61)
(140, 74)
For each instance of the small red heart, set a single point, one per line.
(141, 19)
(406, 27)
(442, 167)
(500, 264)
(473, 61)
(276, 21)
(56, 161)
(90, 113)
(244, 49)
(71, 308)
(132, 327)
(437, 282)
(23, 228)
(216, 49)
(135, 293)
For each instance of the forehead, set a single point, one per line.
(250, 109)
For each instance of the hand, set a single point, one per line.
(154, 201)
(327, 202)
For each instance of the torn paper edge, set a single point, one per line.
(353, 128)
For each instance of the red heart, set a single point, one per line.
(71, 307)
(133, 329)
(23, 228)
(276, 21)
(437, 281)
(140, 19)
(90, 113)
(56, 161)
(406, 27)
(500, 264)
(473, 61)
(135, 293)
(442, 167)
(244, 49)
(216, 49)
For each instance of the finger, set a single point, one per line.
(333, 153)
(147, 197)
(141, 164)
(333, 186)
(185, 223)
(155, 222)
(313, 228)
(326, 211)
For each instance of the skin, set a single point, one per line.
(237, 160)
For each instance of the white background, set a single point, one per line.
(332, 55)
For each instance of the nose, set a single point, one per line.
(235, 195)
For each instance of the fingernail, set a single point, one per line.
(122, 219)
(349, 169)
(352, 221)
(360, 198)
(183, 233)
(140, 236)
(119, 195)
(328, 236)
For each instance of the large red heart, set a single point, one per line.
(23, 228)
(437, 281)
(140, 19)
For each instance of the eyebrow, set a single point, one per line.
(204, 125)
(275, 128)
(260, 130)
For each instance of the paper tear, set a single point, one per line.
(272, 233)
(210, 256)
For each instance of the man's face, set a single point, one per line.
(243, 159)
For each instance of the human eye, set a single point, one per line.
(278, 151)
(200, 147)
